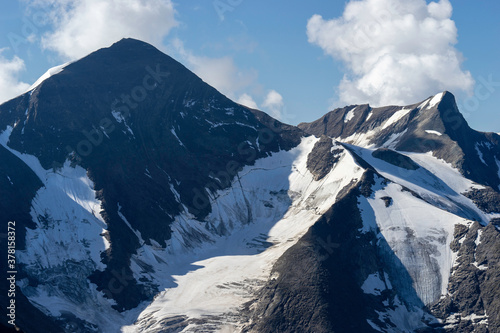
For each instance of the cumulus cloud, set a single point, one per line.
(10, 84)
(221, 73)
(247, 100)
(395, 51)
(79, 27)
(274, 105)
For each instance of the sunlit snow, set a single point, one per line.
(435, 100)
(52, 71)
(433, 132)
(268, 208)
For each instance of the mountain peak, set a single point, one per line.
(444, 99)
(133, 46)
(131, 41)
(129, 86)
(433, 125)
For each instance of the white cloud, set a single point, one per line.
(248, 101)
(10, 84)
(395, 51)
(221, 73)
(273, 104)
(82, 26)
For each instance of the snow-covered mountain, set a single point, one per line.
(146, 201)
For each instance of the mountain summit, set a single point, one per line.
(146, 201)
(434, 125)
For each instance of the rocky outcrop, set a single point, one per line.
(486, 199)
(472, 304)
(323, 157)
(395, 158)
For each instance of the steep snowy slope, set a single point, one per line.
(266, 211)
(434, 180)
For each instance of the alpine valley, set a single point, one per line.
(146, 201)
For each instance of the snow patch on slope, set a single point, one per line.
(442, 170)
(436, 181)
(393, 140)
(367, 216)
(452, 321)
(172, 130)
(424, 103)
(435, 100)
(375, 285)
(124, 219)
(51, 72)
(349, 115)
(369, 116)
(405, 320)
(121, 119)
(30, 160)
(479, 153)
(434, 132)
(396, 117)
(68, 217)
(73, 182)
(360, 139)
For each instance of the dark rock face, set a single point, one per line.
(333, 123)
(488, 200)
(472, 304)
(322, 158)
(387, 201)
(28, 317)
(395, 158)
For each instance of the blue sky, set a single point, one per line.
(293, 59)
